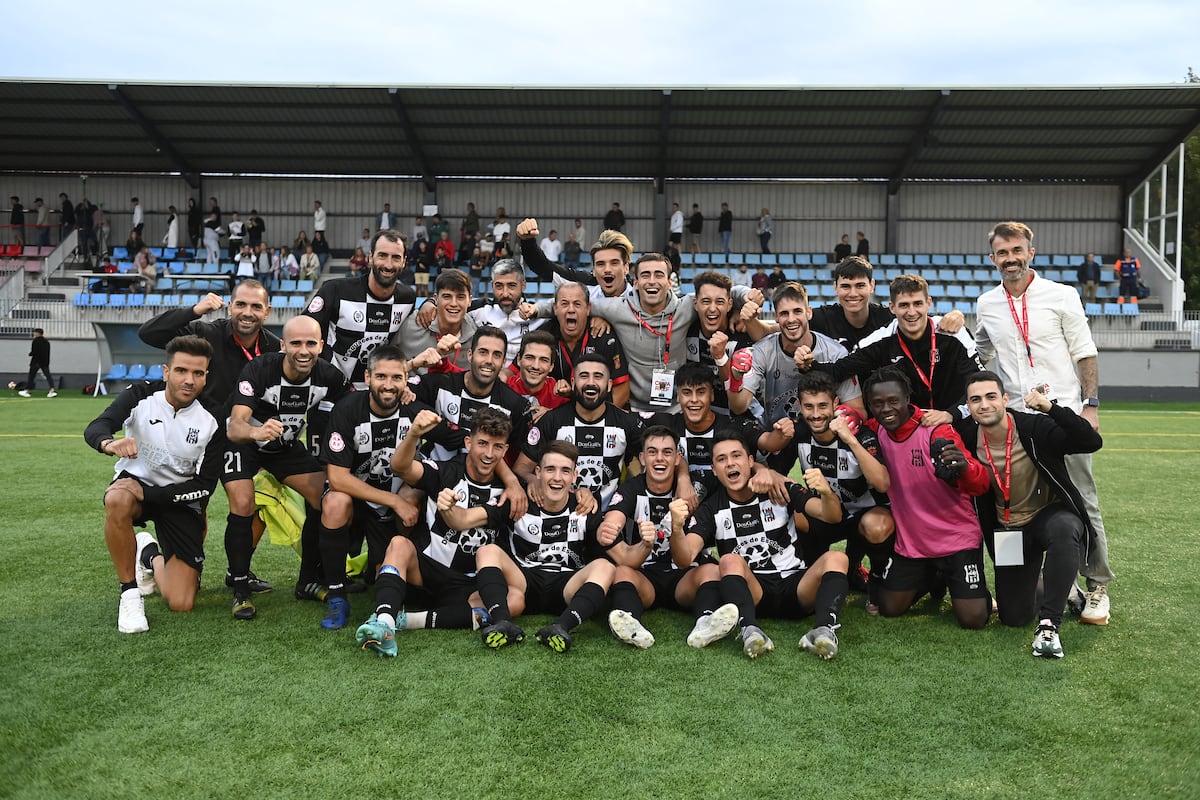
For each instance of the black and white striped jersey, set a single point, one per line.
(605, 446)
(758, 530)
(448, 395)
(556, 541)
(263, 387)
(354, 322)
(450, 548)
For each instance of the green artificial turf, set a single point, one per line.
(203, 706)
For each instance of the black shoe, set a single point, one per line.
(355, 587)
(257, 584)
(502, 633)
(555, 637)
(311, 591)
(243, 608)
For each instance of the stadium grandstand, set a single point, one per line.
(923, 173)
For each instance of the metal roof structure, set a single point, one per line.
(1105, 134)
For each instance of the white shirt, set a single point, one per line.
(552, 248)
(1058, 338)
(138, 216)
(740, 278)
(513, 326)
(677, 221)
(499, 229)
(319, 219)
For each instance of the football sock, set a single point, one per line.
(125, 587)
(831, 598)
(389, 591)
(735, 590)
(239, 544)
(624, 596)
(333, 543)
(583, 605)
(151, 551)
(493, 591)
(457, 615)
(310, 547)
(708, 598)
(855, 550)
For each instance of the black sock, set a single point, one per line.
(310, 547)
(583, 606)
(879, 554)
(125, 587)
(239, 544)
(735, 590)
(457, 616)
(150, 551)
(831, 598)
(493, 591)
(708, 598)
(624, 596)
(390, 589)
(855, 550)
(333, 543)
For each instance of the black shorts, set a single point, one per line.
(779, 596)
(544, 590)
(676, 238)
(962, 571)
(665, 582)
(243, 461)
(372, 525)
(179, 528)
(441, 585)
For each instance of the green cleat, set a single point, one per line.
(378, 636)
(502, 633)
(555, 637)
(243, 608)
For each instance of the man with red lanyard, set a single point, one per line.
(1032, 332)
(935, 363)
(236, 340)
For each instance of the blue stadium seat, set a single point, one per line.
(1041, 261)
(936, 290)
(120, 254)
(753, 259)
(770, 259)
(1129, 309)
(787, 259)
(116, 299)
(947, 275)
(807, 275)
(936, 260)
(172, 300)
(955, 290)
(165, 284)
(974, 261)
(135, 299)
(956, 261)
(1060, 261)
(124, 267)
(1077, 261)
(819, 259)
(718, 258)
(155, 373)
(210, 269)
(157, 251)
(943, 307)
(964, 275)
(137, 372)
(1093, 309)
(296, 301)
(286, 286)
(81, 299)
(887, 259)
(98, 299)
(985, 276)
(305, 285)
(189, 300)
(1112, 309)
(193, 268)
(803, 259)
(702, 258)
(687, 273)
(684, 258)
(904, 259)
(154, 299)
(118, 372)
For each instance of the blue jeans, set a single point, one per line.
(725, 237)
(763, 239)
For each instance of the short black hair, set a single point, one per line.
(887, 375)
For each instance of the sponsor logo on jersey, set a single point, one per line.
(156, 422)
(359, 316)
(336, 443)
(193, 435)
(362, 438)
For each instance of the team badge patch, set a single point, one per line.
(534, 436)
(245, 388)
(336, 443)
(317, 304)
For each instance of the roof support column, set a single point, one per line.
(892, 225)
(660, 178)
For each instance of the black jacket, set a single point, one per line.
(39, 351)
(1048, 439)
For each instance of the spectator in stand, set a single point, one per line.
(581, 235)
(171, 238)
(132, 244)
(318, 217)
(470, 223)
(100, 228)
(501, 227)
(195, 222)
(695, 227)
(67, 220)
(385, 220)
(1088, 277)
(419, 231)
(289, 268)
(443, 251)
(572, 252)
(310, 265)
(214, 208)
(246, 264)
(321, 247)
(742, 277)
(255, 228)
(139, 217)
(842, 250)
(1129, 270)
(551, 246)
(761, 280)
(864, 247)
(437, 227)
(212, 238)
(364, 242)
(43, 222)
(421, 259)
(614, 220)
(675, 226)
(264, 263)
(277, 265)
(84, 216)
(777, 278)
(725, 227)
(358, 262)
(487, 246)
(301, 243)
(237, 233)
(17, 221)
(765, 229)
(144, 263)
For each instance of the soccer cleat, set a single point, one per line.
(257, 585)
(1076, 600)
(1096, 610)
(378, 636)
(311, 591)
(556, 637)
(711, 627)
(821, 641)
(755, 642)
(131, 614)
(25, 393)
(145, 577)
(243, 608)
(1045, 641)
(338, 614)
(502, 633)
(480, 618)
(51, 393)
(629, 629)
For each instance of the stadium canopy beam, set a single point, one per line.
(917, 145)
(160, 142)
(413, 141)
(1161, 155)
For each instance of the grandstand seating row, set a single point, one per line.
(160, 300)
(878, 260)
(135, 372)
(28, 251)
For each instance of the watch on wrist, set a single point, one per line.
(1094, 402)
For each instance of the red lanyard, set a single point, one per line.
(925, 379)
(257, 351)
(1022, 323)
(644, 324)
(566, 353)
(1005, 486)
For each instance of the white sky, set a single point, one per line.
(614, 43)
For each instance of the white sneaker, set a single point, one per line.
(629, 629)
(1096, 610)
(1045, 641)
(51, 393)
(711, 627)
(131, 616)
(24, 393)
(145, 577)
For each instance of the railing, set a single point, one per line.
(58, 258)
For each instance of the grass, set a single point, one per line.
(205, 707)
